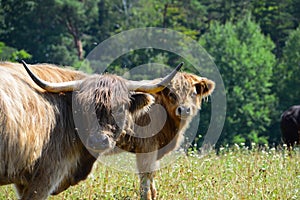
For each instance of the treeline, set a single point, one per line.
(254, 43)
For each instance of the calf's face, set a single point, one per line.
(184, 95)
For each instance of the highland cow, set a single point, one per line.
(41, 146)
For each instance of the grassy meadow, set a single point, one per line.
(236, 173)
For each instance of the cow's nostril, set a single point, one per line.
(103, 139)
(188, 110)
(179, 110)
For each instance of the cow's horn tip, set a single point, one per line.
(23, 62)
(179, 66)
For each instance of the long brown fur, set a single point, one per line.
(150, 149)
(40, 149)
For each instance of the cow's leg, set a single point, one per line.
(39, 188)
(147, 186)
(152, 186)
(298, 138)
(44, 181)
(147, 165)
(20, 190)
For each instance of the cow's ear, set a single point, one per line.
(140, 103)
(204, 87)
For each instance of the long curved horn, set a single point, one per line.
(52, 87)
(140, 86)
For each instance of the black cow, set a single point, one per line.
(290, 126)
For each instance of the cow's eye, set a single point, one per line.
(173, 96)
(194, 94)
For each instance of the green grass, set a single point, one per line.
(236, 173)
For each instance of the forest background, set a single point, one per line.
(254, 43)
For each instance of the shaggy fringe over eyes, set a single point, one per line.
(106, 91)
(138, 101)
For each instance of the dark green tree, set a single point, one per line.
(188, 17)
(53, 31)
(244, 57)
(11, 54)
(286, 79)
(30, 25)
(276, 18)
(77, 18)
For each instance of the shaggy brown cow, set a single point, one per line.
(182, 99)
(290, 126)
(39, 142)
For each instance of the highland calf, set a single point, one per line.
(42, 149)
(182, 100)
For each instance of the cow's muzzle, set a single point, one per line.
(100, 142)
(183, 111)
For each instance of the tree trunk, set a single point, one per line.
(77, 41)
(165, 15)
(78, 45)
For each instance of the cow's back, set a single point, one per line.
(27, 115)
